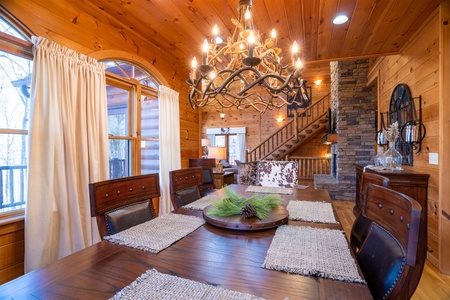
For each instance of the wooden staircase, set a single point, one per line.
(301, 128)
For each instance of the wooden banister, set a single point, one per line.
(290, 131)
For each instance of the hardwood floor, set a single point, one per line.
(433, 284)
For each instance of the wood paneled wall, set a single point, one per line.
(418, 67)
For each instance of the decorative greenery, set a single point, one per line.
(256, 205)
(392, 132)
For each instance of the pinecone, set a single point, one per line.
(248, 211)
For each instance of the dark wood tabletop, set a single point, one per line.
(231, 259)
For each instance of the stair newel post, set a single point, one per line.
(296, 125)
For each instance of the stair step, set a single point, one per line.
(321, 121)
(315, 126)
(288, 145)
(281, 151)
(308, 131)
(301, 136)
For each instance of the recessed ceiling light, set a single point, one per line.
(341, 19)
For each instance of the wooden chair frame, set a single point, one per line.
(109, 195)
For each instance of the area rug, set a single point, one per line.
(203, 202)
(157, 234)
(157, 286)
(269, 189)
(311, 211)
(312, 251)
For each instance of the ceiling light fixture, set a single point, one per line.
(318, 82)
(340, 19)
(246, 71)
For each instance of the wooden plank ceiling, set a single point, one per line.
(376, 27)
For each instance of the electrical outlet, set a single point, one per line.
(433, 159)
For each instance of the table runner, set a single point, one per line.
(154, 285)
(203, 202)
(157, 234)
(311, 211)
(269, 189)
(312, 251)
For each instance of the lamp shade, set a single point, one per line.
(205, 143)
(217, 152)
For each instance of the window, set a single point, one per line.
(133, 120)
(15, 79)
(230, 142)
(232, 138)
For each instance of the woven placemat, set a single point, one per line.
(312, 251)
(203, 202)
(269, 189)
(311, 211)
(157, 234)
(157, 286)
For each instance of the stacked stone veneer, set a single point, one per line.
(353, 103)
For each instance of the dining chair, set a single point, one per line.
(185, 185)
(121, 203)
(208, 164)
(278, 173)
(362, 224)
(387, 256)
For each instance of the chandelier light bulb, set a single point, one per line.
(273, 34)
(295, 48)
(248, 14)
(298, 63)
(251, 38)
(241, 46)
(215, 30)
(212, 75)
(205, 47)
(194, 63)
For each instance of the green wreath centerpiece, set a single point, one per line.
(258, 206)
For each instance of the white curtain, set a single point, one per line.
(68, 149)
(241, 146)
(169, 143)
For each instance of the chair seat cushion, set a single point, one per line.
(128, 216)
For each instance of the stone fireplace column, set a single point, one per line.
(353, 107)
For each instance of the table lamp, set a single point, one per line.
(218, 153)
(205, 144)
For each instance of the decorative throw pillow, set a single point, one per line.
(248, 173)
(278, 173)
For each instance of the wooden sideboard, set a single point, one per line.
(412, 184)
(222, 179)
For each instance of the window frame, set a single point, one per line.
(22, 49)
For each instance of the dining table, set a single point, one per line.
(222, 257)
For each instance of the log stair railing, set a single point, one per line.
(297, 131)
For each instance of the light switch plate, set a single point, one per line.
(433, 159)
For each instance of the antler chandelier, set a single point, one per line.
(246, 71)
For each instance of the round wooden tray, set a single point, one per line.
(277, 217)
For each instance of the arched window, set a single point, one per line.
(15, 78)
(133, 120)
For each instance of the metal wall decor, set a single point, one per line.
(407, 111)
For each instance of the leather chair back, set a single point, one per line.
(121, 203)
(388, 255)
(184, 185)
